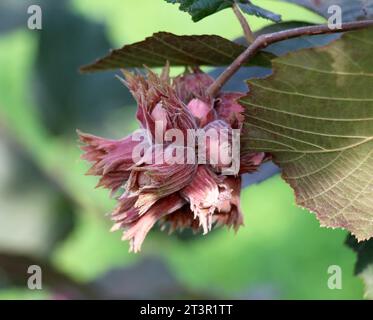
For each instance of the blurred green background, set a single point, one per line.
(50, 213)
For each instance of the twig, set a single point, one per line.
(265, 40)
(244, 24)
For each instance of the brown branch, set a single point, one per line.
(244, 24)
(265, 40)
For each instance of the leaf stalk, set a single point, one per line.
(250, 38)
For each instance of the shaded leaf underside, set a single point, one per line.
(208, 50)
(351, 9)
(315, 115)
(364, 263)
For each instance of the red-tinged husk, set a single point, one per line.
(179, 195)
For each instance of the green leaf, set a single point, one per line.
(155, 51)
(315, 115)
(251, 9)
(364, 263)
(200, 9)
(352, 10)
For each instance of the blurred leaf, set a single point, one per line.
(14, 268)
(200, 9)
(364, 250)
(150, 278)
(91, 249)
(57, 158)
(12, 14)
(315, 116)
(364, 263)
(155, 51)
(23, 294)
(36, 212)
(76, 105)
(351, 9)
